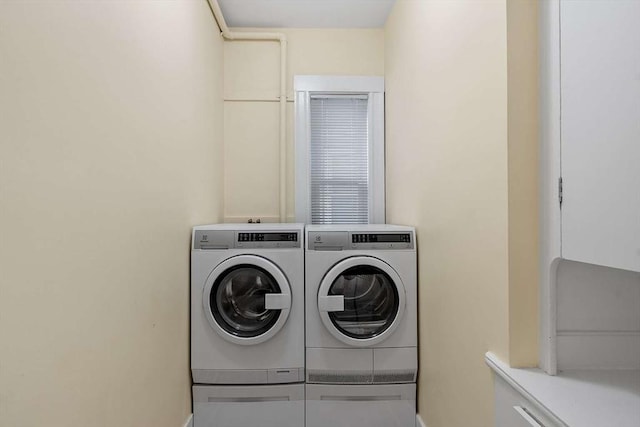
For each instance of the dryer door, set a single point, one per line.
(247, 299)
(361, 301)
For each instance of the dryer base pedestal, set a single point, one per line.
(248, 406)
(374, 405)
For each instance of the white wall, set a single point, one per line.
(598, 323)
(251, 91)
(110, 150)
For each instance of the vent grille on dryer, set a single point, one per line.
(341, 377)
(394, 377)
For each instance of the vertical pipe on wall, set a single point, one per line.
(282, 39)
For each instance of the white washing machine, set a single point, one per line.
(247, 325)
(361, 325)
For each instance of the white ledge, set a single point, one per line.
(577, 398)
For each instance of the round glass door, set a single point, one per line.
(361, 301)
(247, 299)
(370, 302)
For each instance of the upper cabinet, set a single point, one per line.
(600, 132)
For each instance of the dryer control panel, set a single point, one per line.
(345, 240)
(229, 239)
(380, 238)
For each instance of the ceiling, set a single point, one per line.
(306, 13)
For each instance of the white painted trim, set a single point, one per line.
(500, 369)
(338, 84)
(596, 350)
(377, 164)
(419, 421)
(189, 421)
(550, 218)
(303, 196)
(305, 87)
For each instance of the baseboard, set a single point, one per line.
(189, 422)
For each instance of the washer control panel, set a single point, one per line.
(268, 237)
(228, 239)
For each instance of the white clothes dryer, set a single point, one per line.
(361, 304)
(385, 405)
(361, 325)
(247, 304)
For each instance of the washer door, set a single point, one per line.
(247, 299)
(361, 301)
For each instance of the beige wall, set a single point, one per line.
(251, 76)
(461, 82)
(522, 83)
(447, 173)
(110, 150)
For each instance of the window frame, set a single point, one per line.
(373, 87)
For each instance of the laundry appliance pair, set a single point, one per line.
(258, 291)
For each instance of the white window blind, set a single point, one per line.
(339, 159)
(339, 131)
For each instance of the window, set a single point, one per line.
(339, 149)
